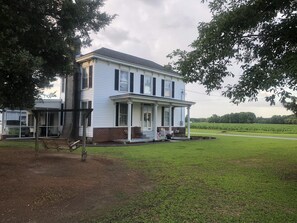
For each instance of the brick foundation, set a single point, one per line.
(111, 134)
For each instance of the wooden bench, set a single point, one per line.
(60, 144)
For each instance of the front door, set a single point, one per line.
(147, 118)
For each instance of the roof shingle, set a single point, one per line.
(130, 59)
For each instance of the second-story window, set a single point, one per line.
(167, 88)
(147, 85)
(84, 79)
(87, 77)
(123, 81)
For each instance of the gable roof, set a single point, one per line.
(105, 52)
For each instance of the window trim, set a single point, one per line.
(166, 122)
(151, 85)
(120, 80)
(120, 114)
(168, 90)
(87, 77)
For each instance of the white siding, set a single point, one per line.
(88, 95)
(103, 87)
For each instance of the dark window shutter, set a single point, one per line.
(131, 82)
(62, 115)
(154, 86)
(90, 115)
(173, 88)
(90, 76)
(116, 80)
(141, 84)
(117, 114)
(162, 87)
(172, 116)
(162, 117)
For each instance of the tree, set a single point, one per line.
(39, 40)
(214, 119)
(260, 35)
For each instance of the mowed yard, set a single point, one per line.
(229, 179)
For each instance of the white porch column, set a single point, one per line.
(155, 121)
(188, 121)
(129, 120)
(170, 119)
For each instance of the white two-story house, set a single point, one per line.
(131, 97)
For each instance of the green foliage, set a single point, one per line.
(260, 35)
(242, 117)
(248, 117)
(198, 119)
(39, 40)
(223, 180)
(260, 128)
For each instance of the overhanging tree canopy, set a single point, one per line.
(258, 34)
(39, 40)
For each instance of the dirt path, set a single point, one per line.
(58, 187)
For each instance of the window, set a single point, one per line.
(167, 88)
(166, 117)
(123, 114)
(147, 85)
(84, 81)
(87, 77)
(85, 105)
(123, 81)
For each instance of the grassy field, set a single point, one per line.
(255, 128)
(229, 179)
(223, 180)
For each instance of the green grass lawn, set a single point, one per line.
(229, 179)
(224, 180)
(214, 132)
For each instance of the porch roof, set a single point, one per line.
(150, 100)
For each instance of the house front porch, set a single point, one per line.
(152, 126)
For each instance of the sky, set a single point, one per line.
(152, 29)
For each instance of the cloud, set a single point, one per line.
(152, 29)
(153, 3)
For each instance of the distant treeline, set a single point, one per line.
(248, 117)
